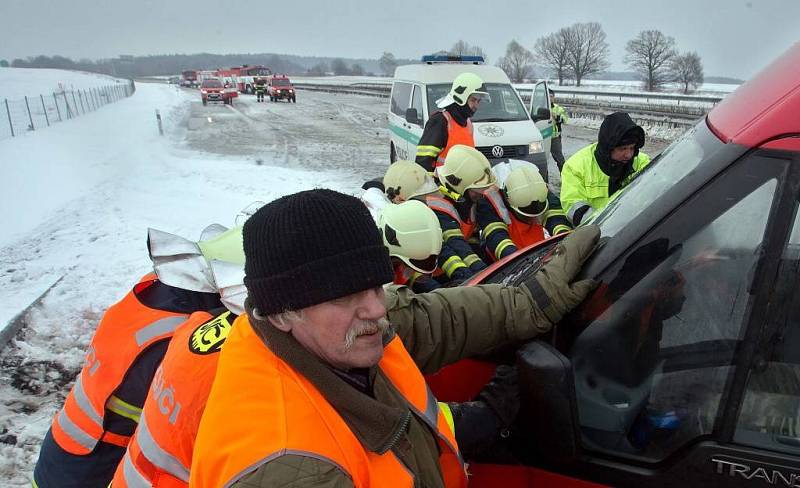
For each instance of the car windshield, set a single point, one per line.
(671, 166)
(504, 106)
(212, 84)
(281, 82)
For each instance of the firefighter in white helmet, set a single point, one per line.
(453, 124)
(458, 260)
(536, 212)
(411, 232)
(482, 210)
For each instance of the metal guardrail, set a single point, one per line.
(671, 115)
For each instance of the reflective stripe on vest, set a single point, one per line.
(302, 421)
(156, 454)
(441, 204)
(126, 330)
(132, 478)
(161, 448)
(456, 134)
(496, 199)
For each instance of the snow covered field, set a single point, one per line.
(21, 82)
(85, 192)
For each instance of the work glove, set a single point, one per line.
(483, 426)
(552, 286)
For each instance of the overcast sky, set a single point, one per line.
(733, 37)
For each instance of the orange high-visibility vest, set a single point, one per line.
(524, 234)
(127, 329)
(456, 134)
(445, 206)
(160, 452)
(261, 408)
(495, 198)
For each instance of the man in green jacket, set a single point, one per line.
(559, 116)
(321, 310)
(595, 173)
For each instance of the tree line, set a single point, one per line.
(581, 50)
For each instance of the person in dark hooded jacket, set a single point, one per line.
(593, 175)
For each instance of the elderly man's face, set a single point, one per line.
(347, 332)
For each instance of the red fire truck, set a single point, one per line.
(189, 78)
(244, 77)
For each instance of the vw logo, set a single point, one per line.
(497, 151)
(491, 130)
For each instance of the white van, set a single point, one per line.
(503, 127)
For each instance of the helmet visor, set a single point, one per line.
(427, 265)
(534, 209)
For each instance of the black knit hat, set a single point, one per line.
(311, 247)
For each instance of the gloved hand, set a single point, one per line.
(552, 287)
(483, 427)
(501, 394)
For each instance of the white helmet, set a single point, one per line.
(412, 233)
(526, 191)
(407, 179)
(464, 86)
(465, 168)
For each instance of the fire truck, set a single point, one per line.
(244, 77)
(189, 78)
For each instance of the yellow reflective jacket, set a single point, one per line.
(584, 183)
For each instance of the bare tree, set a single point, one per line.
(551, 52)
(463, 48)
(388, 64)
(587, 50)
(319, 69)
(517, 63)
(649, 55)
(687, 69)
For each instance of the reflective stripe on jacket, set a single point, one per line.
(583, 183)
(289, 416)
(160, 452)
(456, 134)
(126, 330)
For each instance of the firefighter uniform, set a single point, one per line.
(494, 220)
(261, 88)
(457, 260)
(160, 452)
(551, 223)
(444, 129)
(88, 436)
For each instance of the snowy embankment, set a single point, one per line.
(80, 197)
(29, 82)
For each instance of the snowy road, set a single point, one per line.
(86, 191)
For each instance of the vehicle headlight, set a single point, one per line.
(535, 147)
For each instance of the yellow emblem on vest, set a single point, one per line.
(209, 337)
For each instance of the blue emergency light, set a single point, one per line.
(446, 58)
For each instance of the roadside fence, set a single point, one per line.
(37, 112)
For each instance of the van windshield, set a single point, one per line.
(504, 106)
(673, 164)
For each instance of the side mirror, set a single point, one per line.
(412, 116)
(549, 410)
(541, 114)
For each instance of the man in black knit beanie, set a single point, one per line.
(320, 383)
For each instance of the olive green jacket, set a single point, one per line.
(437, 329)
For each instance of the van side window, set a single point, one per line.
(416, 102)
(657, 355)
(401, 95)
(770, 412)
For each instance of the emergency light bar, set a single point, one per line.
(436, 58)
